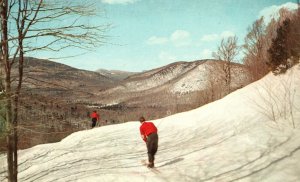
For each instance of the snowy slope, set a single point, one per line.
(234, 139)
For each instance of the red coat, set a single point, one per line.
(95, 115)
(146, 129)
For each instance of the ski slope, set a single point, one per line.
(250, 135)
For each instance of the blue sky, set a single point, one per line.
(147, 34)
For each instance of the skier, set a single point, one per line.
(95, 117)
(149, 134)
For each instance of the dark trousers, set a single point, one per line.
(94, 120)
(152, 145)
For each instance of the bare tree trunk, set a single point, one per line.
(11, 124)
(227, 72)
(227, 51)
(9, 157)
(6, 67)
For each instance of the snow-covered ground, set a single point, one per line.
(247, 136)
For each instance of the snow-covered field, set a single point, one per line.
(247, 136)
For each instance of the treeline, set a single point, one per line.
(44, 120)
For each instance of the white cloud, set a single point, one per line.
(166, 57)
(210, 37)
(215, 37)
(118, 1)
(227, 34)
(273, 11)
(206, 54)
(154, 40)
(180, 38)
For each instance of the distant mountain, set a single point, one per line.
(115, 74)
(51, 78)
(180, 78)
(184, 77)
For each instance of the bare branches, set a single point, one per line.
(255, 48)
(227, 51)
(53, 25)
(276, 100)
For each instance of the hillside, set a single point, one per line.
(115, 74)
(237, 138)
(185, 76)
(54, 79)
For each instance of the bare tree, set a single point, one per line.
(255, 50)
(227, 51)
(33, 26)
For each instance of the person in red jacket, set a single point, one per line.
(95, 117)
(149, 134)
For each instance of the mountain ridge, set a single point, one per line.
(115, 74)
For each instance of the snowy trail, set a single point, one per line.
(232, 139)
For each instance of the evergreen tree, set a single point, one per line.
(278, 52)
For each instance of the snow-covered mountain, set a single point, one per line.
(184, 77)
(179, 78)
(250, 135)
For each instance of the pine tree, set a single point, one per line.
(278, 52)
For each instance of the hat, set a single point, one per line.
(142, 119)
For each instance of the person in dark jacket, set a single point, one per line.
(95, 117)
(149, 134)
